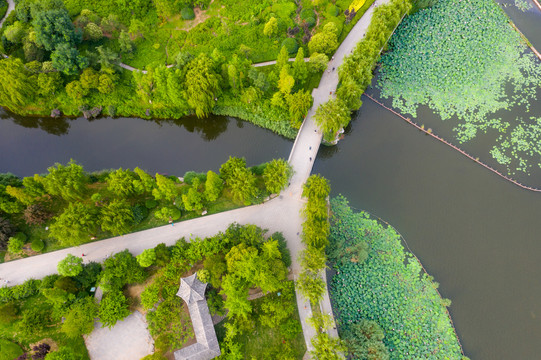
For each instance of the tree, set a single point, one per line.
(331, 117)
(298, 105)
(193, 199)
(313, 259)
(15, 32)
(146, 258)
(243, 185)
(318, 62)
(281, 60)
(326, 41)
(116, 217)
(364, 340)
(75, 225)
(79, 320)
(121, 269)
(15, 88)
(33, 322)
(68, 181)
(16, 243)
(203, 85)
(276, 175)
(286, 81)
(165, 188)
(236, 300)
(76, 90)
(121, 183)
(107, 57)
(113, 307)
(107, 81)
(70, 266)
(67, 59)
(351, 94)
(145, 183)
(327, 348)
(300, 69)
(89, 79)
(125, 42)
(168, 213)
(6, 231)
(54, 28)
(228, 169)
(93, 32)
(213, 186)
(49, 83)
(311, 286)
(271, 27)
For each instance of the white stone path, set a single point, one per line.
(279, 214)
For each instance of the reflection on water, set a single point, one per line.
(209, 129)
(30, 144)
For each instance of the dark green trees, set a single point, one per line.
(202, 85)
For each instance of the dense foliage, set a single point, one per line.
(356, 71)
(68, 206)
(444, 57)
(234, 262)
(64, 56)
(390, 288)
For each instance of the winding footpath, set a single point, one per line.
(11, 7)
(282, 213)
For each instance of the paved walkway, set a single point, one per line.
(266, 63)
(279, 214)
(11, 7)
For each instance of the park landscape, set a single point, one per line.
(293, 275)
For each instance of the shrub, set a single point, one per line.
(140, 213)
(6, 231)
(310, 21)
(38, 245)
(70, 266)
(290, 45)
(307, 13)
(167, 213)
(16, 243)
(151, 203)
(189, 176)
(333, 10)
(187, 13)
(146, 258)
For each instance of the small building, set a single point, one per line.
(192, 291)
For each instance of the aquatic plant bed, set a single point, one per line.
(389, 287)
(465, 61)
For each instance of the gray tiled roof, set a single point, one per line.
(192, 291)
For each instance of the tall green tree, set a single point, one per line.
(116, 217)
(193, 199)
(68, 60)
(145, 183)
(165, 188)
(276, 175)
(325, 41)
(113, 307)
(298, 105)
(213, 186)
(16, 87)
(68, 181)
(121, 182)
(331, 117)
(202, 85)
(70, 266)
(75, 225)
(364, 340)
(300, 68)
(79, 320)
(53, 28)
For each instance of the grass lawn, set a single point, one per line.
(9, 350)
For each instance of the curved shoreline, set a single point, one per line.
(408, 120)
(403, 239)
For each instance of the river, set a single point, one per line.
(478, 234)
